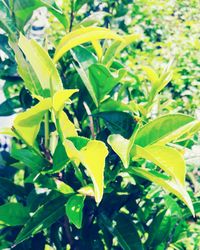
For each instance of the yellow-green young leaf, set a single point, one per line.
(87, 191)
(151, 74)
(7, 131)
(27, 124)
(116, 47)
(42, 64)
(165, 77)
(97, 46)
(93, 158)
(172, 186)
(120, 145)
(63, 187)
(62, 96)
(168, 159)
(72, 152)
(67, 127)
(81, 36)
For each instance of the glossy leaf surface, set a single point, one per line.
(74, 209)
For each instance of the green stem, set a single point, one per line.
(79, 174)
(71, 16)
(46, 130)
(28, 145)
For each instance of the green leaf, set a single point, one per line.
(60, 158)
(9, 106)
(94, 18)
(172, 185)
(83, 35)
(165, 129)
(63, 187)
(124, 229)
(102, 80)
(65, 127)
(116, 47)
(160, 228)
(61, 97)
(42, 65)
(56, 11)
(27, 124)
(173, 206)
(13, 214)
(74, 209)
(33, 161)
(151, 74)
(92, 156)
(23, 10)
(79, 141)
(118, 122)
(113, 105)
(122, 146)
(26, 72)
(7, 22)
(159, 155)
(43, 218)
(9, 188)
(84, 59)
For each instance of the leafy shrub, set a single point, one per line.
(86, 147)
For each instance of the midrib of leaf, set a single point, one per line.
(26, 235)
(108, 224)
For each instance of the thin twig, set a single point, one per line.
(71, 16)
(90, 119)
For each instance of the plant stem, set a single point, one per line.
(91, 124)
(46, 130)
(71, 16)
(79, 174)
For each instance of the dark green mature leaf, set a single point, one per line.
(8, 188)
(118, 122)
(43, 218)
(33, 161)
(84, 59)
(125, 231)
(5, 47)
(167, 183)
(13, 214)
(79, 141)
(74, 209)
(165, 129)
(9, 106)
(23, 10)
(7, 22)
(187, 213)
(102, 80)
(60, 158)
(160, 229)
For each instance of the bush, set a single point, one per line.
(94, 142)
